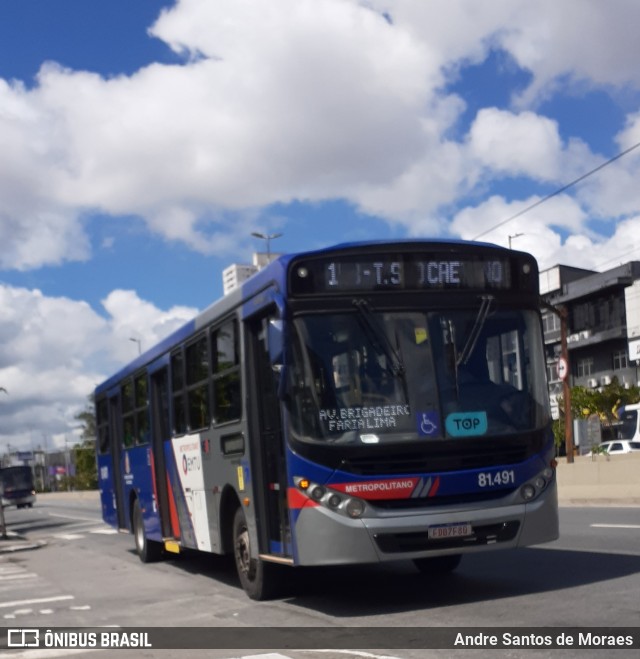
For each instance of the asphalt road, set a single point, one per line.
(86, 574)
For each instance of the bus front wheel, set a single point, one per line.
(438, 564)
(258, 578)
(148, 550)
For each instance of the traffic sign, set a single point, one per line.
(563, 368)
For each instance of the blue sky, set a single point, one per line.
(143, 142)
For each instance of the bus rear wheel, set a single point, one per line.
(259, 579)
(148, 550)
(438, 564)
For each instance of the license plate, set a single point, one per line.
(446, 531)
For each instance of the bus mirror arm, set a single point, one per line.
(275, 339)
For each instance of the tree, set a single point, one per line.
(604, 402)
(84, 454)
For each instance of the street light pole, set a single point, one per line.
(139, 342)
(268, 237)
(515, 235)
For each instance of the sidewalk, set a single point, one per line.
(603, 481)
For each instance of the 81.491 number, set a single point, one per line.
(490, 479)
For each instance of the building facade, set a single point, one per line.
(603, 325)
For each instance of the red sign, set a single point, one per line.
(393, 488)
(563, 368)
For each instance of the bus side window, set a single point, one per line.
(177, 393)
(225, 366)
(102, 426)
(141, 409)
(128, 425)
(198, 406)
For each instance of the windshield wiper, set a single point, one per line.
(379, 338)
(478, 324)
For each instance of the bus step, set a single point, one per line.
(172, 546)
(276, 559)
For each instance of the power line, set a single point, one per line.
(558, 191)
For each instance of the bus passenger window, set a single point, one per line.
(226, 373)
(177, 391)
(197, 361)
(102, 418)
(142, 410)
(128, 425)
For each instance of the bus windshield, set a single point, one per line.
(374, 377)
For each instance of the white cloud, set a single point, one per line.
(525, 144)
(54, 351)
(309, 100)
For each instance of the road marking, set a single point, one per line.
(9, 577)
(42, 600)
(68, 536)
(81, 519)
(104, 531)
(45, 653)
(615, 526)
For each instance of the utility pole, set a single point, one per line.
(566, 389)
(563, 366)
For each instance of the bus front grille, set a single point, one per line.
(434, 459)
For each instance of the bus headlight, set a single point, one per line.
(337, 502)
(316, 492)
(537, 485)
(355, 508)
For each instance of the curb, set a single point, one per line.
(13, 542)
(19, 545)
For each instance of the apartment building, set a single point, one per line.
(603, 325)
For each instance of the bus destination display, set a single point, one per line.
(408, 273)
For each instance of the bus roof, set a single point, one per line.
(273, 274)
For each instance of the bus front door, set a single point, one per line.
(267, 445)
(116, 456)
(160, 432)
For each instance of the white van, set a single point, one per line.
(618, 446)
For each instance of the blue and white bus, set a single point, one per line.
(363, 403)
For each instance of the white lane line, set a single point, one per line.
(11, 577)
(45, 653)
(615, 526)
(81, 519)
(42, 600)
(68, 536)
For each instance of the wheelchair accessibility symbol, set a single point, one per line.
(428, 423)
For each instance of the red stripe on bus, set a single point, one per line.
(173, 511)
(434, 487)
(153, 479)
(297, 499)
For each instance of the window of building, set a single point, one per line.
(620, 359)
(584, 367)
(226, 373)
(550, 323)
(197, 363)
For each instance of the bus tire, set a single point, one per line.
(148, 551)
(438, 564)
(258, 578)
